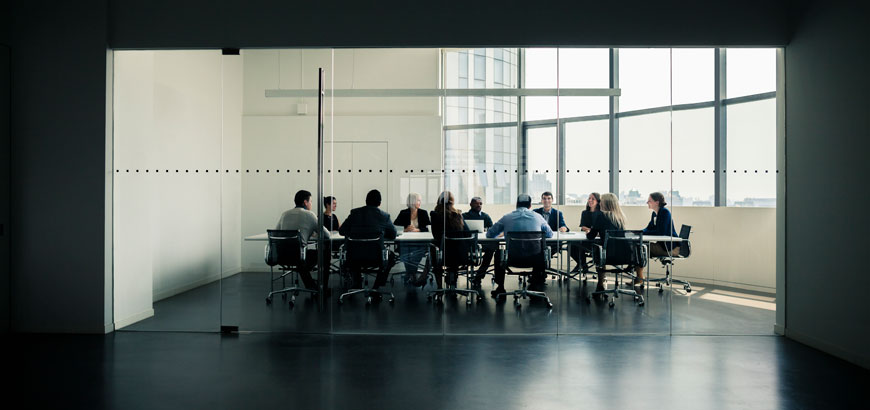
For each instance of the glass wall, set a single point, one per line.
(213, 149)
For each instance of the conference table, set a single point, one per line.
(558, 238)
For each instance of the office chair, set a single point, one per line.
(623, 253)
(461, 253)
(668, 262)
(285, 249)
(525, 250)
(364, 254)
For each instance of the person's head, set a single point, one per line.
(445, 208)
(593, 203)
(413, 201)
(547, 199)
(610, 208)
(373, 198)
(446, 199)
(302, 199)
(524, 201)
(656, 201)
(330, 203)
(476, 204)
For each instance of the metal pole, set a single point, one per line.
(614, 123)
(720, 130)
(323, 271)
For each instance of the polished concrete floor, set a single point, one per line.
(178, 370)
(240, 301)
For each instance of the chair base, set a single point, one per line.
(616, 291)
(293, 291)
(367, 293)
(668, 280)
(438, 294)
(526, 294)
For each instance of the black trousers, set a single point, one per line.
(579, 253)
(488, 253)
(538, 274)
(310, 263)
(380, 279)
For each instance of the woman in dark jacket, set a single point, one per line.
(660, 224)
(611, 219)
(587, 220)
(446, 219)
(413, 219)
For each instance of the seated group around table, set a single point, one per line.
(602, 213)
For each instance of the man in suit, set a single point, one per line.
(553, 217)
(489, 249)
(366, 220)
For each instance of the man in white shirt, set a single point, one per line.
(303, 220)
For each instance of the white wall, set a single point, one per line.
(174, 110)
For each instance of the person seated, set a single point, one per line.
(553, 217)
(413, 219)
(660, 224)
(476, 214)
(521, 219)
(587, 219)
(303, 220)
(370, 219)
(330, 221)
(610, 219)
(446, 219)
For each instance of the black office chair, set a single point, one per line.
(364, 253)
(461, 253)
(668, 262)
(285, 249)
(624, 253)
(525, 250)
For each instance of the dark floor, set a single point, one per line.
(166, 370)
(240, 300)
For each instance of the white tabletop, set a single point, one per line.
(427, 236)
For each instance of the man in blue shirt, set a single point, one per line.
(521, 219)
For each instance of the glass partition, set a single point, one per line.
(211, 149)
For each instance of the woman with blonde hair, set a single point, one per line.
(611, 219)
(413, 219)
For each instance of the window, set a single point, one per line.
(751, 147)
(542, 161)
(587, 148)
(644, 157)
(750, 71)
(645, 78)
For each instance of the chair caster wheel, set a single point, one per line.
(392, 300)
(661, 289)
(369, 300)
(268, 301)
(340, 302)
(549, 306)
(290, 305)
(611, 304)
(468, 301)
(688, 289)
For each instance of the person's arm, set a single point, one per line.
(496, 229)
(389, 229)
(348, 224)
(651, 228)
(547, 231)
(487, 221)
(337, 223)
(400, 220)
(563, 227)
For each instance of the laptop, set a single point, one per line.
(475, 225)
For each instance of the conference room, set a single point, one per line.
(211, 147)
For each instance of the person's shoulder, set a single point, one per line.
(538, 210)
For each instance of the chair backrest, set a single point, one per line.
(623, 249)
(284, 248)
(685, 245)
(525, 249)
(365, 249)
(459, 248)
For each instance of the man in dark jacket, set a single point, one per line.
(489, 248)
(365, 221)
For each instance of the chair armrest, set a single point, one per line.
(602, 254)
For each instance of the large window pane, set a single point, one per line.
(693, 157)
(693, 75)
(541, 156)
(750, 71)
(752, 154)
(644, 77)
(586, 159)
(644, 157)
(481, 162)
(481, 68)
